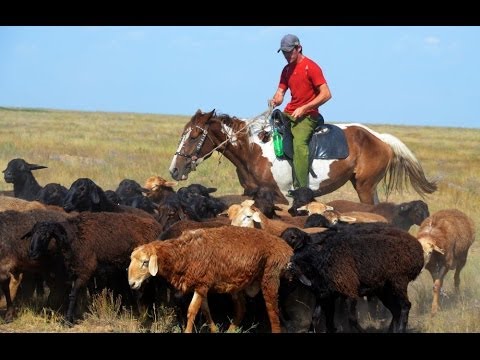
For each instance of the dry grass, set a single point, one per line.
(109, 147)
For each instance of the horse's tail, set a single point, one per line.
(404, 166)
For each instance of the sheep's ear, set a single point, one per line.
(405, 207)
(170, 183)
(348, 219)
(304, 207)
(248, 203)
(153, 265)
(27, 235)
(304, 280)
(437, 249)
(328, 207)
(256, 217)
(94, 196)
(35, 167)
(233, 211)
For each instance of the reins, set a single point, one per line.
(229, 137)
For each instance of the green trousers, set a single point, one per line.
(302, 130)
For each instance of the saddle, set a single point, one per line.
(328, 141)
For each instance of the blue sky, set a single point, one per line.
(405, 75)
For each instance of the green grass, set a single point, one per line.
(108, 147)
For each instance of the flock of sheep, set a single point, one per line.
(236, 259)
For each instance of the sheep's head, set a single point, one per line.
(245, 215)
(41, 233)
(17, 169)
(428, 248)
(155, 183)
(143, 264)
(315, 207)
(416, 211)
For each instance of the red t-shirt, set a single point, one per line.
(303, 79)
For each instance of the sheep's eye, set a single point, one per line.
(144, 263)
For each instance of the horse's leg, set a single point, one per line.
(366, 190)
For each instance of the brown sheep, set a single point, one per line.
(91, 240)
(334, 216)
(228, 259)
(14, 258)
(12, 203)
(402, 215)
(446, 237)
(247, 215)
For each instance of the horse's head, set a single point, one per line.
(192, 147)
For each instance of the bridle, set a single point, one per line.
(194, 156)
(199, 145)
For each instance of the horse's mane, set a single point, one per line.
(254, 125)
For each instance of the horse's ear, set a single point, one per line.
(210, 114)
(203, 118)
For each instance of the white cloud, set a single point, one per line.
(431, 40)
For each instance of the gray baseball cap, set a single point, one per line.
(288, 42)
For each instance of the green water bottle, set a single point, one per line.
(277, 143)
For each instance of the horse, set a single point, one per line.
(247, 144)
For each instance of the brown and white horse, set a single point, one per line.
(371, 157)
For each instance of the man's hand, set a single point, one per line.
(299, 112)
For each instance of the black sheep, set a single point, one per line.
(19, 173)
(357, 260)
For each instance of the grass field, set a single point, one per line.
(109, 147)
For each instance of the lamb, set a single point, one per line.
(402, 215)
(225, 260)
(90, 240)
(247, 215)
(302, 196)
(357, 260)
(335, 216)
(446, 237)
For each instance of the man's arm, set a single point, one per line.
(278, 97)
(323, 96)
